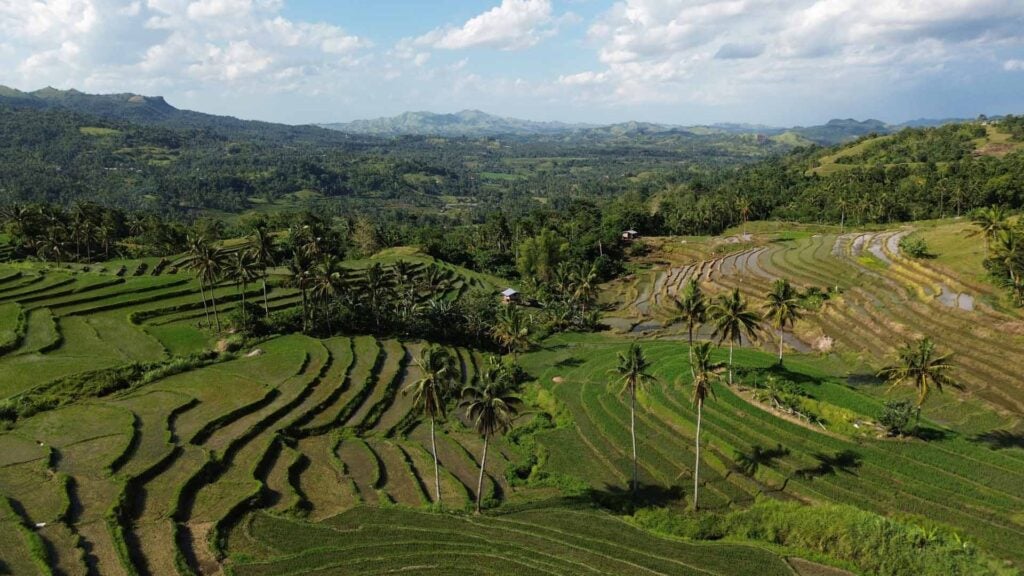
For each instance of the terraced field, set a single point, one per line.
(958, 480)
(881, 299)
(300, 455)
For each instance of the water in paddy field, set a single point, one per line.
(953, 299)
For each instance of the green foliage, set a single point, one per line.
(873, 544)
(896, 417)
(915, 247)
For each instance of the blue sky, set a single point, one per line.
(780, 62)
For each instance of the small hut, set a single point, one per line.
(510, 296)
(630, 235)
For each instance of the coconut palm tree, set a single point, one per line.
(692, 308)
(264, 253)
(301, 277)
(989, 222)
(491, 406)
(325, 285)
(207, 263)
(733, 320)
(743, 208)
(782, 308)
(703, 376)
(241, 267)
(1009, 251)
(584, 282)
(633, 371)
(921, 366)
(512, 331)
(438, 374)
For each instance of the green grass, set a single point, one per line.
(530, 542)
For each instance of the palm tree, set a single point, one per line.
(922, 367)
(512, 330)
(989, 222)
(206, 262)
(743, 208)
(703, 374)
(438, 375)
(691, 308)
(301, 278)
(733, 320)
(210, 269)
(584, 282)
(633, 372)
(241, 267)
(1009, 251)
(491, 406)
(325, 285)
(263, 251)
(782, 308)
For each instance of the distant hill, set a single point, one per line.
(155, 111)
(464, 123)
(474, 123)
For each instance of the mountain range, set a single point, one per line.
(154, 110)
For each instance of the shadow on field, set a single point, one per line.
(619, 499)
(778, 371)
(1000, 439)
(930, 434)
(863, 380)
(570, 362)
(846, 461)
(749, 462)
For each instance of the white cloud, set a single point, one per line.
(513, 25)
(1013, 65)
(119, 45)
(707, 51)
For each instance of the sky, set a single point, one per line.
(775, 62)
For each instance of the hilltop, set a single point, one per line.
(474, 123)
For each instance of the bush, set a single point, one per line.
(915, 247)
(896, 417)
(872, 543)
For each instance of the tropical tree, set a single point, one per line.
(989, 222)
(301, 270)
(241, 267)
(692, 308)
(703, 375)
(438, 374)
(584, 281)
(922, 367)
(491, 406)
(207, 263)
(264, 254)
(782, 308)
(633, 371)
(512, 330)
(733, 320)
(1009, 252)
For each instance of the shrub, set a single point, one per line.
(872, 543)
(896, 416)
(915, 247)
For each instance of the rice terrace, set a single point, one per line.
(467, 344)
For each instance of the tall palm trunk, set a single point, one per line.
(305, 311)
(480, 479)
(696, 460)
(731, 345)
(782, 333)
(693, 373)
(266, 307)
(632, 430)
(213, 304)
(202, 293)
(437, 475)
